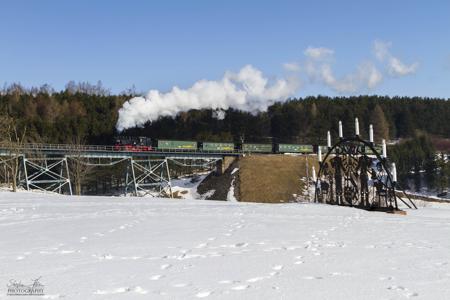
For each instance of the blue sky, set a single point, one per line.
(159, 44)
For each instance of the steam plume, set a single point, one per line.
(246, 90)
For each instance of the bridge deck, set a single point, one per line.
(94, 151)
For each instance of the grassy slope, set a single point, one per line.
(272, 178)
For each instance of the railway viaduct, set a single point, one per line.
(45, 166)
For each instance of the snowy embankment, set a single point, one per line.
(141, 248)
(186, 187)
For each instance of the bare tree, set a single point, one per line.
(78, 165)
(12, 139)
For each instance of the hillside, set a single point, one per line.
(273, 178)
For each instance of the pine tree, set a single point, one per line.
(380, 124)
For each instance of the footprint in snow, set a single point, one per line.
(180, 285)
(397, 288)
(202, 245)
(290, 248)
(115, 291)
(203, 294)
(255, 279)
(228, 281)
(68, 251)
(386, 278)
(225, 282)
(240, 287)
(140, 290)
(130, 257)
(156, 277)
(339, 274)
(277, 267)
(103, 256)
(312, 277)
(165, 266)
(121, 290)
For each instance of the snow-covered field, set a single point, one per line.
(142, 248)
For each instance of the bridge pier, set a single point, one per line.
(219, 167)
(148, 177)
(46, 174)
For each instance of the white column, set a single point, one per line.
(329, 139)
(383, 144)
(356, 126)
(319, 154)
(341, 135)
(394, 172)
(371, 133)
(314, 174)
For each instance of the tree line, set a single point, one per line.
(89, 112)
(419, 165)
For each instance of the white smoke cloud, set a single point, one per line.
(249, 90)
(381, 49)
(397, 68)
(318, 53)
(218, 114)
(394, 65)
(291, 67)
(318, 67)
(246, 90)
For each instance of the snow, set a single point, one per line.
(144, 248)
(186, 187)
(230, 194)
(429, 195)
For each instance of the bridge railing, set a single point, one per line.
(101, 148)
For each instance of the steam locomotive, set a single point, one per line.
(133, 144)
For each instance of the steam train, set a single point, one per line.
(142, 144)
(133, 144)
